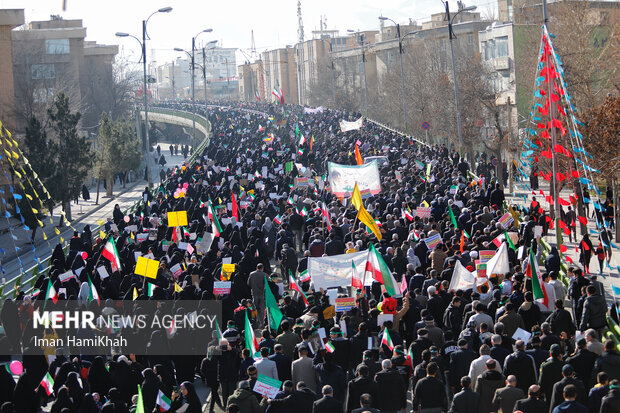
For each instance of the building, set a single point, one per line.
(9, 19)
(314, 62)
(498, 52)
(53, 56)
(216, 65)
(279, 70)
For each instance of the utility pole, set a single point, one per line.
(204, 73)
(509, 146)
(193, 94)
(174, 93)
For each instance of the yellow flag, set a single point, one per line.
(18, 174)
(62, 240)
(56, 231)
(29, 197)
(367, 219)
(100, 222)
(102, 234)
(356, 198)
(425, 204)
(44, 236)
(177, 288)
(135, 293)
(40, 223)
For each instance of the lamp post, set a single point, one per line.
(204, 67)
(402, 70)
(360, 40)
(456, 86)
(146, 101)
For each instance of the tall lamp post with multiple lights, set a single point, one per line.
(191, 55)
(402, 70)
(456, 86)
(146, 101)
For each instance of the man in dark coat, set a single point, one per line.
(506, 397)
(430, 392)
(460, 361)
(609, 362)
(558, 389)
(532, 404)
(551, 371)
(467, 400)
(283, 363)
(486, 384)
(301, 401)
(362, 384)
(391, 392)
(594, 311)
(583, 362)
(611, 402)
(327, 403)
(521, 365)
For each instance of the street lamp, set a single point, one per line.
(204, 66)
(456, 87)
(193, 71)
(146, 102)
(402, 71)
(360, 40)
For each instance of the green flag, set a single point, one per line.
(274, 315)
(509, 241)
(140, 403)
(453, 218)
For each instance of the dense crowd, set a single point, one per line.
(494, 347)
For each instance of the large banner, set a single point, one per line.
(320, 109)
(337, 270)
(347, 126)
(342, 178)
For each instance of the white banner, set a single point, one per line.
(342, 178)
(461, 278)
(320, 109)
(336, 271)
(347, 126)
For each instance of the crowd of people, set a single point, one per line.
(494, 347)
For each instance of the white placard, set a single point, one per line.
(103, 273)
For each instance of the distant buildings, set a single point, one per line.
(53, 56)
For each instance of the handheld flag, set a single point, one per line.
(250, 339)
(51, 292)
(93, 294)
(111, 253)
(273, 311)
(235, 210)
(358, 156)
(48, 384)
(356, 282)
(293, 285)
(386, 340)
(140, 402)
(538, 285)
(380, 271)
(163, 401)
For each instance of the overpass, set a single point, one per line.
(24, 281)
(180, 118)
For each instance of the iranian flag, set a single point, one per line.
(407, 214)
(416, 236)
(538, 285)
(330, 347)
(387, 340)
(215, 223)
(304, 276)
(326, 216)
(300, 151)
(111, 253)
(250, 339)
(380, 271)
(302, 140)
(277, 219)
(93, 294)
(48, 384)
(151, 289)
(51, 292)
(257, 95)
(293, 286)
(356, 282)
(163, 401)
(235, 209)
(277, 92)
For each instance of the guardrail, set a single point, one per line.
(25, 281)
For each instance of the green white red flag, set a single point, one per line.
(387, 340)
(381, 272)
(293, 285)
(538, 285)
(250, 339)
(48, 384)
(111, 253)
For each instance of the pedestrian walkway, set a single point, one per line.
(18, 245)
(611, 272)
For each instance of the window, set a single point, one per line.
(470, 39)
(501, 45)
(44, 95)
(43, 71)
(57, 46)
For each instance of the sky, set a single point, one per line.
(274, 21)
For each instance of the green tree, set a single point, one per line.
(118, 150)
(40, 151)
(74, 153)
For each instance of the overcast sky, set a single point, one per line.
(274, 21)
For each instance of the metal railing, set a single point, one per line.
(25, 280)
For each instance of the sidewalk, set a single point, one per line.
(610, 274)
(18, 245)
